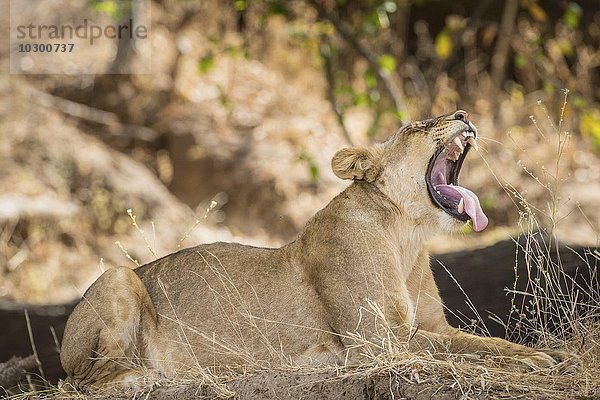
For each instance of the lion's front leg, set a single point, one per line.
(455, 341)
(434, 332)
(465, 343)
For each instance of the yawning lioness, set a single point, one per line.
(358, 269)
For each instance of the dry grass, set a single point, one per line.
(467, 376)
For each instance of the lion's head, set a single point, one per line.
(418, 169)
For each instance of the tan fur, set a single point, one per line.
(226, 304)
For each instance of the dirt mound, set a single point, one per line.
(401, 376)
(321, 385)
(64, 198)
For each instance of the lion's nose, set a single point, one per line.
(461, 115)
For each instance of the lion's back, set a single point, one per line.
(240, 295)
(216, 266)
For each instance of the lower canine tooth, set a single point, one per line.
(473, 143)
(461, 206)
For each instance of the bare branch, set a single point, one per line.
(384, 77)
(329, 76)
(91, 114)
(507, 26)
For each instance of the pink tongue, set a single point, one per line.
(471, 202)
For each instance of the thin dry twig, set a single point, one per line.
(33, 347)
(393, 91)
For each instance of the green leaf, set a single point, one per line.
(572, 15)
(360, 99)
(206, 63)
(443, 44)
(225, 102)
(400, 115)
(240, 5)
(489, 202)
(590, 126)
(370, 79)
(116, 10)
(578, 102)
(314, 172)
(467, 228)
(520, 61)
(278, 7)
(388, 63)
(566, 48)
(234, 51)
(548, 86)
(370, 23)
(313, 168)
(108, 7)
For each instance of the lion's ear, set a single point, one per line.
(357, 163)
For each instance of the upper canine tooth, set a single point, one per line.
(461, 205)
(458, 143)
(473, 143)
(465, 134)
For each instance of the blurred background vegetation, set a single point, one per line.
(248, 101)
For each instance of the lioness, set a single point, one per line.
(358, 269)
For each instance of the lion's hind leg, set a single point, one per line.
(107, 335)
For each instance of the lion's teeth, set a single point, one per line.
(465, 134)
(461, 206)
(473, 143)
(458, 143)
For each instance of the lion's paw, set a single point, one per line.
(537, 360)
(565, 362)
(549, 359)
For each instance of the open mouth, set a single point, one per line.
(442, 181)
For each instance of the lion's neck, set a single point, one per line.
(406, 231)
(401, 215)
(404, 235)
